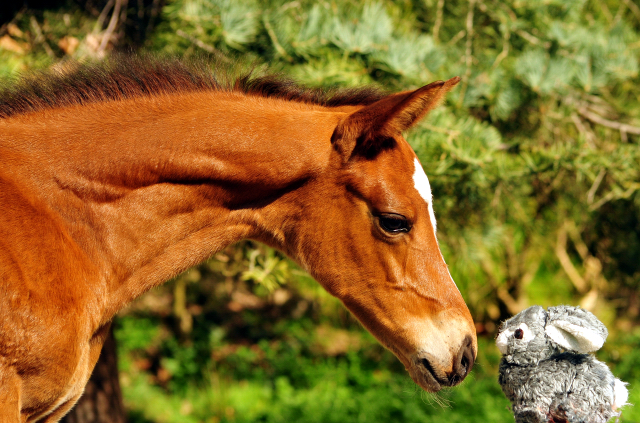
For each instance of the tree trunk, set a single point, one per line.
(102, 398)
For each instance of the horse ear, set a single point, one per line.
(373, 128)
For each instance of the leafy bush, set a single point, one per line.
(533, 162)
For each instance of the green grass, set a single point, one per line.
(278, 383)
(334, 395)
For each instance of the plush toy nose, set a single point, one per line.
(463, 363)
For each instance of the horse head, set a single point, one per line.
(372, 240)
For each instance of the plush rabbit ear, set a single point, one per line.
(573, 337)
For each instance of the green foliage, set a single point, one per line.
(535, 178)
(267, 269)
(305, 388)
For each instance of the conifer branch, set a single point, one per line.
(113, 22)
(205, 47)
(103, 16)
(468, 51)
(622, 127)
(616, 194)
(605, 11)
(40, 37)
(587, 134)
(594, 187)
(452, 133)
(634, 8)
(513, 305)
(457, 37)
(578, 243)
(505, 48)
(561, 253)
(274, 38)
(619, 14)
(533, 39)
(438, 22)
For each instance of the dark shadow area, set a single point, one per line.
(9, 9)
(138, 417)
(135, 22)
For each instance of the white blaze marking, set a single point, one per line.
(421, 182)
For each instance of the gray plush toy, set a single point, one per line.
(547, 373)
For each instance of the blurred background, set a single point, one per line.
(534, 162)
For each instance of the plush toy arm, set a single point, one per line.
(620, 394)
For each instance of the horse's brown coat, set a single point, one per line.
(105, 194)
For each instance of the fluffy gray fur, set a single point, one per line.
(546, 372)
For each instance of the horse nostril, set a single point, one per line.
(463, 363)
(427, 365)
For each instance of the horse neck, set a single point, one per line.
(149, 187)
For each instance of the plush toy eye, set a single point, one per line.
(522, 333)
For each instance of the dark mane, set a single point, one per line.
(126, 77)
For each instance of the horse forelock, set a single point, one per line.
(124, 77)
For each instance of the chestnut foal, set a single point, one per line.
(116, 177)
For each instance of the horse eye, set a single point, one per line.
(518, 334)
(394, 223)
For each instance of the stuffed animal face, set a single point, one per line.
(535, 334)
(522, 339)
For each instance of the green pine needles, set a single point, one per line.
(534, 161)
